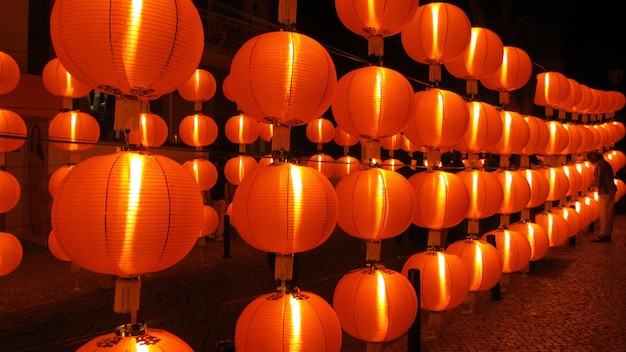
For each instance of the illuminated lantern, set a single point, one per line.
(593, 204)
(555, 226)
(11, 125)
(514, 249)
(539, 187)
(288, 321)
(210, 221)
(392, 143)
(538, 137)
(515, 134)
(616, 158)
(345, 165)
(323, 163)
(444, 279)
(482, 261)
(603, 136)
(373, 102)
(621, 130)
(74, 131)
(11, 253)
(9, 73)
(266, 160)
(238, 167)
(442, 199)
(283, 77)
(266, 131)
(595, 142)
(276, 212)
(537, 238)
(439, 32)
(513, 73)
(198, 130)
(203, 171)
(375, 204)
(320, 131)
(201, 86)
(441, 118)
(484, 128)
(344, 139)
(61, 83)
(575, 179)
(57, 176)
(409, 146)
(574, 96)
(516, 191)
(574, 220)
(375, 304)
(558, 182)
(10, 191)
(584, 210)
(242, 129)
(136, 337)
(152, 131)
(482, 56)
(585, 100)
(55, 248)
(392, 164)
(485, 193)
(227, 90)
(575, 140)
(586, 171)
(552, 89)
(143, 51)
(559, 138)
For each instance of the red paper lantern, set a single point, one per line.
(574, 220)
(266, 131)
(392, 164)
(575, 139)
(552, 89)
(538, 136)
(301, 321)
(9, 73)
(375, 304)
(442, 199)
(539, 187)
(482, 56)
(373, 102)
(345, 165)
(485, 193)
(201, 86)
(559, 138)
(238, 167)
(136, 337)
(575, 179)
(125, 49)
(383, 18)
(482, 261)
(558, 182)
(198, 130)
(584, 210)
(516, 191)
(210, 221)
(152, 131)
(323, 163)
(574, 96)
(283, 77)
(375, 204)
(484, 128)
(11, 253)
(12, 125)
(203, 171)
(127, 213)
(392, 143)
(320, 131)
(444, 279)
(513, 73)
(555, 226)
(242, 129)
(513, 247)
(285, 208)
(74, 131)
(61, 83)
(537, 238)
(515, 134)
(227, 90)
(10, 191)
(57, 177)
(55, 248)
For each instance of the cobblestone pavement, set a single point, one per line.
(574, 299)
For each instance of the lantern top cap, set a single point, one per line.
(127, 330)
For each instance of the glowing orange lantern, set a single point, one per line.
(197, 130)
(152, 131)
(538, 137)
(201, 86)
(136, 337)
(275, 212)
(57, 176)
(203, 171)
(575, 139)
(10, 191)
(55, 248)
(210, 221)
(585, 100)
(283, 77)
(392, 143)
(323, 163)
(242, 129)
(537, 238)
(442, 199)
(575, 179)
(513, 247)
(238, 167)
(12, 125)
(74, 131)
(539, 187)
(266, 131)
(345, 165)
(11, 253)
(559, 138)
(482, 261)
(484, 128)
(61, 83)
(300, 320)
(375, 204)
(485, 193)
(375, 304)
(9, 73)
(574, 220)
(555, 226)
(444, 279)
(320, 131)
(142, 51)
(586, 173)
(515, 134)
(558, 182)
(513, 73)
(584, 210)
(552, 89)
(516, 191)
(362, 109)
(227, 90)
(392, 164)
(574, 96)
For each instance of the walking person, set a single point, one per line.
(604, 181)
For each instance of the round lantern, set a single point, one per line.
(320, 131)
(57, 177)
(555, 226)
(227, 90)
(238, 167)
(559, 138)
(201, 86)
(203, 171)
(515, 134)
(482, 261)
(441, 118)
(11, 253)
(513, 247)
(9, 73)
(552, 89)
(383, 19)
(392, 164)
(136, 337)
(392, 143)
(537, 238)
(574, 96)
(61, 83)
(12, 125)
(584, 210)
(444, 279)
(55, 248)
(344, 139)
(74, 131)
(590, 200)
(539, 187)
(516, 191)
(484, 128)
(345, 165)
(275, 212)
(538, 136)
(585, 100)
(574, 220)
(575, 179)
(375, 204)
(127, 213)
(210, 221)
(152, 131)
(144, 51)
(586, 172)
(10, 191)
(513, 73)
(558, 182)
(288, 321)
(375, 304)
(442, 199)
(266, 131)
(242, 129)
(283, 77)
(198, 130)
(323, 163)
(373, 102)
(485, 193)
(575, 139)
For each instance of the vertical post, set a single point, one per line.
(226, 236)
(415, 331)
(495, 290)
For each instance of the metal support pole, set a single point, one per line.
(226, 236)
(415, 331)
